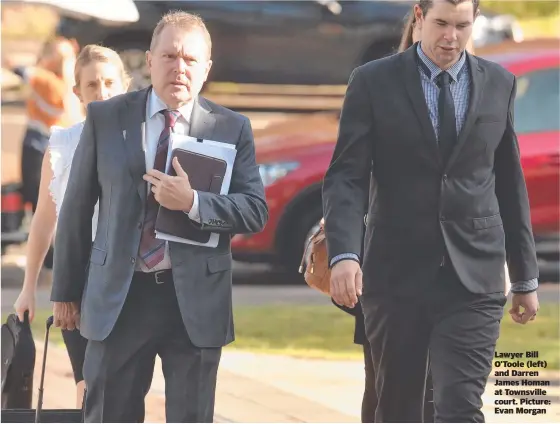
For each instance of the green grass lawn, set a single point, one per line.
(542, 335)
(326, 332)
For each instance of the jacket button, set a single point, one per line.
(444, 177)
(139, 225)
(442, 218)
(132, 260)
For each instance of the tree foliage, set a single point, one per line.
(523, 9)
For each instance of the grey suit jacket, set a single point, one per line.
(108, 165)
(472, 210)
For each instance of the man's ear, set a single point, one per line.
(77, 92)
(208, 67)
(476, 14)
(419, 15)
(149, 59)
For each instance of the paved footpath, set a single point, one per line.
(270, 388)
(275, 388)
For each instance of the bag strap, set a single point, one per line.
(303, 264)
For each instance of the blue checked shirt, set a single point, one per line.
(460, 91)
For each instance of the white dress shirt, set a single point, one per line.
(155, 123)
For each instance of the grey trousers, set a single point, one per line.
(118, 370)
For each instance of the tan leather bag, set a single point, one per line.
(315, 262)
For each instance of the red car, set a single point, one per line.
(294, 155)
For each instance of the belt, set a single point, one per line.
(158, 277)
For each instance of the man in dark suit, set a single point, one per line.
(146, 297)
(434, 124)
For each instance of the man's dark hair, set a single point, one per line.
(426, 5)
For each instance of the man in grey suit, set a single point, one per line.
(434, 125)
(142, 296)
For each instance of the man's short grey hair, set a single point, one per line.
(183, 20)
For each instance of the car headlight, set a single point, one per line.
(270, 172)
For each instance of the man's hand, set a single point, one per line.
(346, 282)
(172, 192)
(66, 315)
(530, 304)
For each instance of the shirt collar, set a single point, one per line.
(155, 105)
(432, 70)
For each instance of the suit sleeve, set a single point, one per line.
(511, 192)
(244, 209)
(73, 235)
(346, 183)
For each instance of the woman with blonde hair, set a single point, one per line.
(47, 106)
(99, 75)
(50, 102)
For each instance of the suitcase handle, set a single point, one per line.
(49, 324)
(38, 410)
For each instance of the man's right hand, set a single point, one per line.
(66, 315)
(346, 282)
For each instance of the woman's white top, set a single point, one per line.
(62, 145)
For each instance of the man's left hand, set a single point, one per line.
(172, 192)
(66, 315)
(530, 304)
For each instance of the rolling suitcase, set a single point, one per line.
(40, 415)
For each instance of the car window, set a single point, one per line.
(537, 104)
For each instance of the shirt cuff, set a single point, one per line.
(525, 286)
(343, 256)
(193, 213)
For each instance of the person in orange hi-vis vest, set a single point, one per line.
(50, 103)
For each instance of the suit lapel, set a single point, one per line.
(416, 96)
(203, 120)
(133, 117)
(477, 80)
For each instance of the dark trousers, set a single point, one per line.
(31, 163)
(369, 401)
(76, 346)
(150, 324)
(448, 328)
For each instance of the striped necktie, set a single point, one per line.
(152, 250)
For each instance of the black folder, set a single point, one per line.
(206, 173)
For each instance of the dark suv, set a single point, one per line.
(264, 42)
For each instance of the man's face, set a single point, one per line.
(179, 64)
(445, 30)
